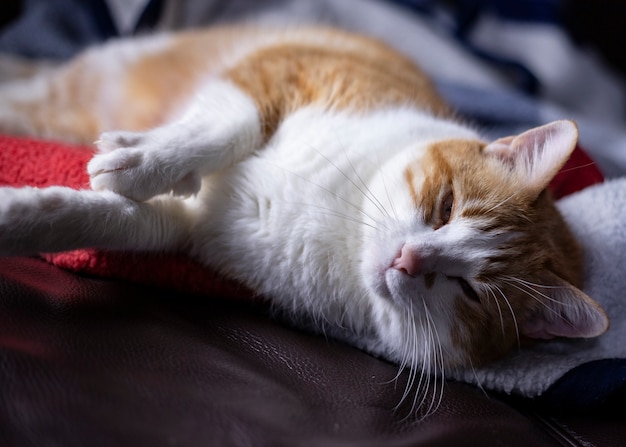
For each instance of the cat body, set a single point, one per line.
(321, 170)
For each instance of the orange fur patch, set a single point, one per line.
(161, 82)
(360, 76)
(58, 112)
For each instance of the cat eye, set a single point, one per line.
(468, 290)
(445, 213)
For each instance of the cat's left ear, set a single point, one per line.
(537, 154)
(565, 311)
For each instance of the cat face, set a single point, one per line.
(479, 256)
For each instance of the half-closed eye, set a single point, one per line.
(468, 290)
(446, 207)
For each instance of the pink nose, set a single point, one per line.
(408, 262)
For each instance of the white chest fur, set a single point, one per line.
(289, 221)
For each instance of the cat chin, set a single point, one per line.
(413, 292)
(432, 351)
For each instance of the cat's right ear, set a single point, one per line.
(565, 311)
(538, 154)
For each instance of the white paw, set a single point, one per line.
(25, 218)
(139, 167)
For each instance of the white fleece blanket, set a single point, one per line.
(597, 216)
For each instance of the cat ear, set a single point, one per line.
(566, 311)
(537, 154)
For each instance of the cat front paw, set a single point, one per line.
(139, 167)
(26, 219)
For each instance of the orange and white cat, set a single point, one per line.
(321, 170)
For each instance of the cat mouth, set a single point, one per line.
(402, 288)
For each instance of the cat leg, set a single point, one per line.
(16, 119)
(219, 128)
(48, 103)
(55, 219)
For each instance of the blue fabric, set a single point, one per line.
(463, 15)
(466, 11)
(546, 11)
(150, 15)
(587, 386)
(497, 112)
(58, 29)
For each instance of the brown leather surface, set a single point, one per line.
(86, 362)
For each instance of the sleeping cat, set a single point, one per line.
(321, 170)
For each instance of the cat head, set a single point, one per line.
(474, 257)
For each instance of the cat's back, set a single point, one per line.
(138, 83)
(148, 80)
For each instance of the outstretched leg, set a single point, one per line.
(220, 127)
(48, 101)
(56, 219)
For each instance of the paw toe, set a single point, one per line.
(116, 171)
(110, 141)
(121, 160)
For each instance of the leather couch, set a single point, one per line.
(92, 362)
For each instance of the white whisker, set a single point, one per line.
(478, 381)
(490, 291)
(370, 196)
(498, 205)
(328, 191)
(382, 176)
(507, 302)
(501, 203)
(369, 191)
(409, 354)
(529, 290)
(438, 362)
(372, 199)
(330, 212)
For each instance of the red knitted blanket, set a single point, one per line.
(31, 162)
